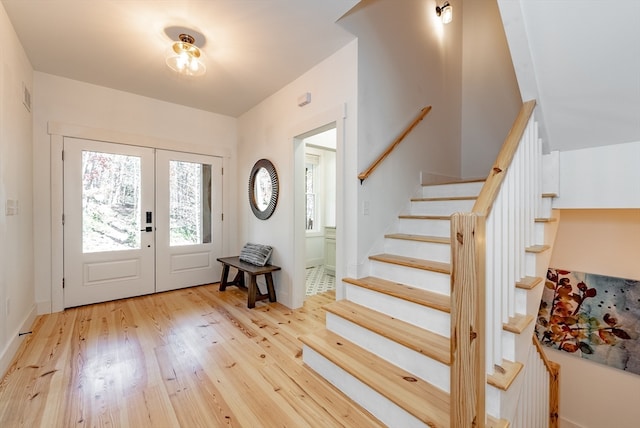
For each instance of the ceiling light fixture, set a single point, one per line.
(185, 57)
(445, 12)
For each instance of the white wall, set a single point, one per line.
(268, 131)
(407, 60)
(490, 94)
(600, 177)
(601, 241)
(91, 111)
(17, 309)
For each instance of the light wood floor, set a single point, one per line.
(189, 358)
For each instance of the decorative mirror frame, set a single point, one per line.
(267, 212)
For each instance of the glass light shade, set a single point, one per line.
(447, 13)
(185, 59)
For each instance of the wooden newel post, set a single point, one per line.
(467, 321)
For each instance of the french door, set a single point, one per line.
(189, 208)
(138, 220)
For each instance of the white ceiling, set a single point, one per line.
(579, 58)
(251, 48)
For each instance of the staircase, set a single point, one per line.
(388, 345)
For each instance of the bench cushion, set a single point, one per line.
(256, 254)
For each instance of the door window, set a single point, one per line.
(189, 203)
(110, 202)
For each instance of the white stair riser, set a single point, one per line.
(424, 250)
(441, 207)
(417, 278)
(528, 301)
(530, 264)
(515, 346)
(440, 228)
(453, 189)
(538, 233)
(502, 404)
(424, 317)
(545, 207)
(386, 411)
(419, 365)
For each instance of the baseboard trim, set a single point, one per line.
(12, 346)
(566, 423)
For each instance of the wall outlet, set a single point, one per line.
(365, 208)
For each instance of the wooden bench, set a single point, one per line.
(253, 271)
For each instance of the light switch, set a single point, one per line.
(11, 207)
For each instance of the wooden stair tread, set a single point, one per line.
(419, 398)
(549, 195)
(537, 248)
(529, 282)
(419, 238)
(423, 341)
(504, 375)
(413, 262)
(445, 198)
(517, 323)
(496, 423)
(545, 219)
(425, 217)
(419, 296)
(461, 181)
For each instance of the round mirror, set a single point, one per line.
(263, 189)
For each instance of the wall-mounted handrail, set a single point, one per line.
(367, 172)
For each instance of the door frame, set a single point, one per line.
(338, 116)
(57, 132)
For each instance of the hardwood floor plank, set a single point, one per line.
(195, 357)
(151, 408)
(195, 399)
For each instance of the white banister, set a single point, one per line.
(509, 232)
(505, 214)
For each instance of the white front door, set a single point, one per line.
(189, 207)
(108, 189)
(138, 221)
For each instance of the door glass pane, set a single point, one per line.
(110, 202)
(309, 184)
(189, 203)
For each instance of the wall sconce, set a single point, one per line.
(445, 12)
(185, 57)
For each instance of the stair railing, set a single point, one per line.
(367, 172)
(488, 258)
(509, 202)
(539, 393)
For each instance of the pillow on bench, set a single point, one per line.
(256, 254)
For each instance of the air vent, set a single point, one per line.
(26, 97)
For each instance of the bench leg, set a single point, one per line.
(225, 276)
(270, 288)
(239, 279)
(252, 292)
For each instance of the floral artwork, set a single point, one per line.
(592, 316)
